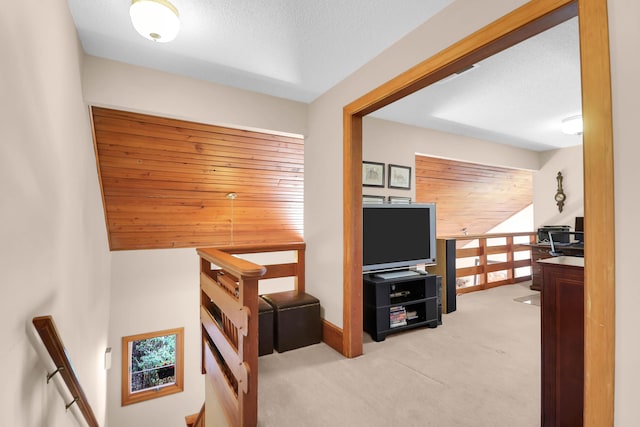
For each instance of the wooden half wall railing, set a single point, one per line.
(229, 320)
(499, 245)
(46, 328)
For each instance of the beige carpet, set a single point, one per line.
(481, 367)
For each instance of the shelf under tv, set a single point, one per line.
(417, 294)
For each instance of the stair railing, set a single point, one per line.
(49, 334)
(229, 320)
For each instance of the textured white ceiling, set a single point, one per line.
(294, 49)
(517, 97)
(299, 49)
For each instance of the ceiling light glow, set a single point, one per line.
(156, 20)
(572, 125)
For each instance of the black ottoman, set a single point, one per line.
(297, 319)
(265, 327)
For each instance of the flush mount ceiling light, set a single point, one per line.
(572, 125)
(156, 20)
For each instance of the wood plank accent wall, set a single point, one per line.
(470, 195)
(165, 183)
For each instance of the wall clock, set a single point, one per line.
(560, 196)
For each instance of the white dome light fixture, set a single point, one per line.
(156, 20)
(572, 125)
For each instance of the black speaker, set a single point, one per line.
(446, 269)
(450, 257)
(439, 288)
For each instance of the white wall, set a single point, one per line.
(323, 147)
(154, 290)
(54, 258)
(569, 162)
(390, 142)
(625, 68)
(117, 85)
(145, 281)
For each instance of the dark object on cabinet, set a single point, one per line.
(560, 230)
(265, 327)
(398, 304)
(542, 251)
(297, 319)
(562, 319)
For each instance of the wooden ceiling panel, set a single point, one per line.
(471, 196)
(164, 182)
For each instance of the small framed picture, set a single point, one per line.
(397, 200)
(366, 199)
(372, 174)
(400, 177)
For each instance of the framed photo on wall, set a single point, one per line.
(367, 199)
(397, 200)
(400, 177)
(372, 174)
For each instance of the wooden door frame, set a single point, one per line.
(530, 19)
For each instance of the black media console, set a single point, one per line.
(393, 304)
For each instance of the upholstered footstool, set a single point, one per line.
(265, 327)
(297, 319)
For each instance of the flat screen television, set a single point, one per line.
(398, 236)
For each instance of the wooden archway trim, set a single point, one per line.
(532, 18)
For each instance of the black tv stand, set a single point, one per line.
(397, 304)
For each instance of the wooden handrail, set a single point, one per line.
(237, 266)
(196, 420)
(295, 269)
(49, 334)
(262, 247)
(487, 236)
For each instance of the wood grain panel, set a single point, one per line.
(471, 196)
(599, 254)
(164, 183)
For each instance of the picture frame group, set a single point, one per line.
(373, 175)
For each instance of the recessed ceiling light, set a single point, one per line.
(457, 74)
(572, 125)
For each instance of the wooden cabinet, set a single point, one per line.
(541, 251)
(394, 305)
(538, 252)
(562, 320)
